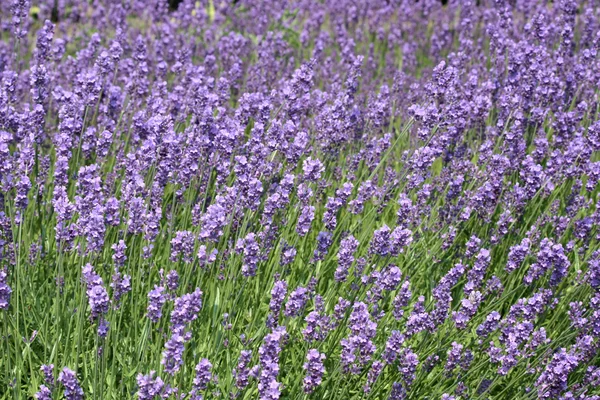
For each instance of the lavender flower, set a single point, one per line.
(348, 247)
(288, 255)
(472, 246)
(5, 290)
(381, 242)
(549, 256)
(305, 220)
(149, 387)
(213, 222)
(324, 241)
(400, 238)
(172, 357)
(241, 372)
(477, 273)
(48, 371)
(312, 169)
(393, 346)
(296, 302)
(44, 393)
(172, 281)
(468, 309)
(185, 310)
(119, 256)
(314, 370)
(490, 324)
(318, 324)
(374, 372)
(358, 347)
(419, 320)
(69, 381)
(553, 381)
(156, 300)
(121, 284)
(277, 297)
(454, 357)
(203, 376)
(401, 300)
(517, 255)
(182, 244)
(251, 255)
(97, 295)
(205, 258)
(268, 387)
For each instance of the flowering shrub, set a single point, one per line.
(299, 199)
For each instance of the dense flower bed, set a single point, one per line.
(299, 199)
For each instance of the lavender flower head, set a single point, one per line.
(241, 373)
(48, 371)
(358, 347)
(296, 302)
(71, 385)
(251, 255)
(268, 387)
(149, 387)
(381, 242)
(96, 292)
(156, 299)
(203, 375)
(348, 247)
(185, 310)
(314, 370)
(312, 169)
(277, 297)
(172, 357)
(119, 256)
(5, 290)
(44, 393)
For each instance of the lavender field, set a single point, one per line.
(302, 199)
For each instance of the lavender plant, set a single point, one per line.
(366, 199)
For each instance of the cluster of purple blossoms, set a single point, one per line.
(312, 169)
(467, 310)
(551, 256)
(358, 347)
(442, 293)
(119, 256)
(307, 215)
(296, 302)
(156, 300)
(97, 297)
(268, 386)
(517, 255)
(314, 370)
(5, 290)
(348, 247)
(205, 258)
(150, 387)
(324, 241)
(185, 311)
(203, 377)
(182, 245)
(278, 294)
(251, 251)
(242, 372)
(318, 324)
(68, 379)
(45, 391)
(477, 272)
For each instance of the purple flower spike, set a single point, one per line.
(68, 379)
(314, 370)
